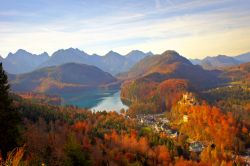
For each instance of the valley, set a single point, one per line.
(124, 83)
(168, 109)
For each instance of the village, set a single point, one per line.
(160, 124)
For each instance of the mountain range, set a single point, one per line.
(156, 83)
(169, 65)
(221, 61)
(23, 61)
(56, 79)
(151, 69)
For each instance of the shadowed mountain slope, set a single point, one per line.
(69, 77)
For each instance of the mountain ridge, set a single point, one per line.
(22, 61)
(156, 83)
(168, 65)
(240, 72)
(60, 78)
(111, 62)
(243, 57)
(221, 61)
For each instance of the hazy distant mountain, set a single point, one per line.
(63, 56)
(112, 62)
(218, 62)
(1, 58)
(195, 61)
(137, 55)
(67, 77)
(171, 65)
(221, 61)
(23, 61)
(243, 57)
(115, 63)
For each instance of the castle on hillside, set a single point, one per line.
(188, 99)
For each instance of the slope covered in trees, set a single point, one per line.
(73, 136)
(67, 77)
(238, 73)
(9, 118)
(172, 65)
(157, 82)
(147, 97)
(220, 132)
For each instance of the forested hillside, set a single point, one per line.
(67, 77)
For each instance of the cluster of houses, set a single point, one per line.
(245, 157)
(157, 122)
(196, 146)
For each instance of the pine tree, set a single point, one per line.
(9, 119)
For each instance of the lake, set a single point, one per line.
(95, 99)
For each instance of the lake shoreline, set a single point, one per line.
(95, 100)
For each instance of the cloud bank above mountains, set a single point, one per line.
(193, 28)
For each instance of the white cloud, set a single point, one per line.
(194, 35)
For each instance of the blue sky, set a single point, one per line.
(195, 28)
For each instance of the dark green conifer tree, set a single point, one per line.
(9, 119)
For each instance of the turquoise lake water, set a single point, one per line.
(95, 99)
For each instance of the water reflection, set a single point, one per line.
(110, 103)
(96, 99)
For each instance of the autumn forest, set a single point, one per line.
(124, 83)
(173, 118)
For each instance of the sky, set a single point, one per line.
(194, 28)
